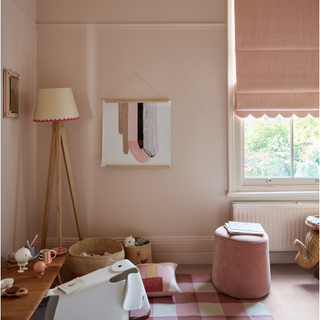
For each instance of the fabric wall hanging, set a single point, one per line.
(136, 133)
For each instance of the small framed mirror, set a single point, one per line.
(10, 94)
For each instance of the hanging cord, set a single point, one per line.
(151, 87)
(124, 86)
(6, 265)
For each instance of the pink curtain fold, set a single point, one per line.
(277, 57)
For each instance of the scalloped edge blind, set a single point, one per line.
(277, 57)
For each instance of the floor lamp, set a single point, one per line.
(57, 105)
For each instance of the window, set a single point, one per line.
(285, 150)
(274, 158)
(281, 148)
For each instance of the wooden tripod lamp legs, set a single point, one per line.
(58, 141)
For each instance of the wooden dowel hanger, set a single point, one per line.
(140, 166)
(135, 101)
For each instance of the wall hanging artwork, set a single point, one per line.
(10, 94)
(136, 134)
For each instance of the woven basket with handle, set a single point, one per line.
(82, 265)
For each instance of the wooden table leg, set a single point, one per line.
(58, 278)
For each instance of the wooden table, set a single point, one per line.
(22, 308)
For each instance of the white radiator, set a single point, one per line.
(282, 221)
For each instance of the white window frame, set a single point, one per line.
(237, 189)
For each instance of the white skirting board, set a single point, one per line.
(180, 250)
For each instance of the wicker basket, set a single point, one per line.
(82, 265)
(139, 254)
(311, 246)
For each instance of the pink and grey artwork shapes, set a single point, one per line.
(136, 134)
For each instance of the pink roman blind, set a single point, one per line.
(277, 57)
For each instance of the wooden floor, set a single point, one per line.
(294, 293)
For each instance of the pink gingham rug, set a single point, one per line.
(200, 300)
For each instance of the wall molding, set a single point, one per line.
(181, 250)
(134, 26)
(21, 12)
(117, 26)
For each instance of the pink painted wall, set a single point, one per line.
(178, 208)
(18, 136)
(127, 11)
(185, 65)
(28, 7)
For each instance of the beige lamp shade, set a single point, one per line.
(55, 104)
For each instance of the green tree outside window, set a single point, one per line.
(268, 148)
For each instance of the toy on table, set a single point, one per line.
(14, 292)
(39, 269)
(6, 283)
(22, 257)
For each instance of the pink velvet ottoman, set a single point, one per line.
(241, 266)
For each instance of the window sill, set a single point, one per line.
(275, 195)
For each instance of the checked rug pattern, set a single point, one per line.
(200, 300)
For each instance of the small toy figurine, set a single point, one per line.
(39, 269)
(129, 242)
(141, 242)
(22, 256)
(14, 292)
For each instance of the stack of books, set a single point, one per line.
(236, 227)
